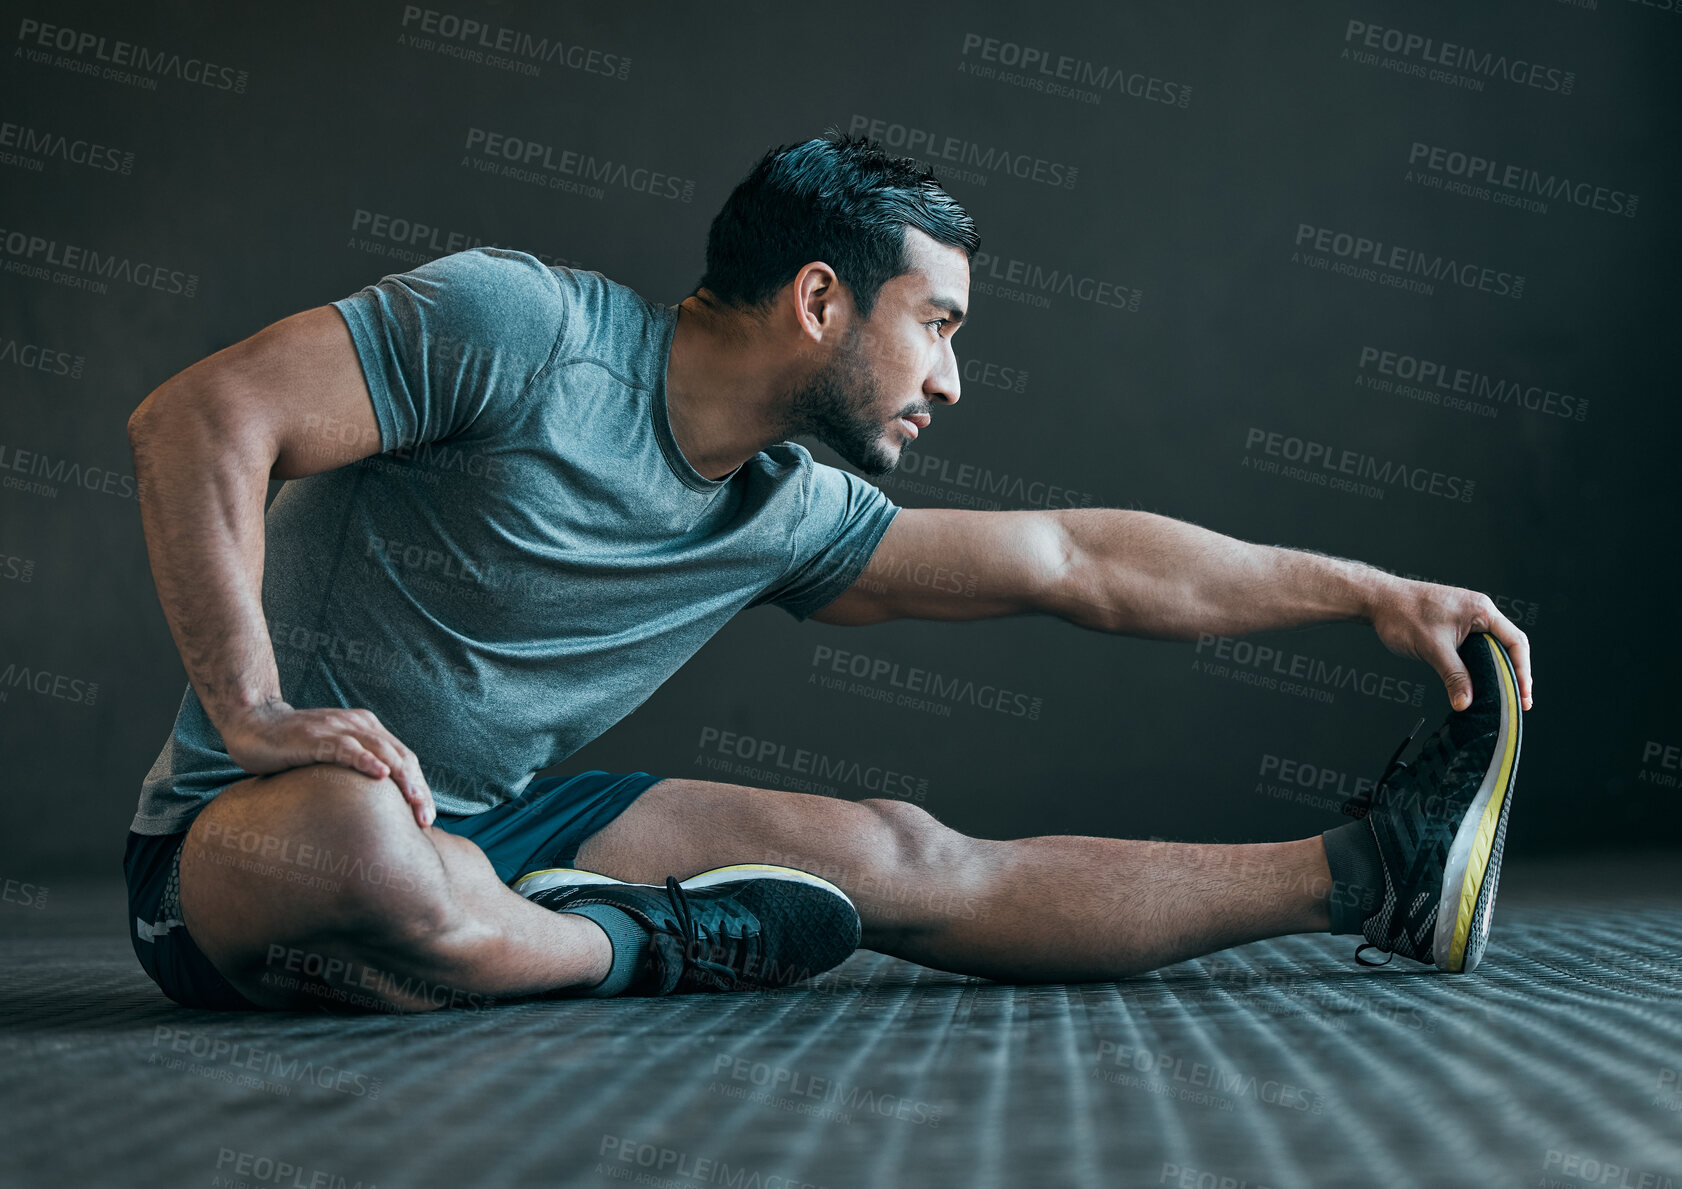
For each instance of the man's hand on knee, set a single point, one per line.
(272, 736)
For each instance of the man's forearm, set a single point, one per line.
(1146, 575)
(201, 508)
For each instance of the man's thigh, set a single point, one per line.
(903, 870)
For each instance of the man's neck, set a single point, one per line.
(723, 387)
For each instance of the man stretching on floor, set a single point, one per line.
(520, 496)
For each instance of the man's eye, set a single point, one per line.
(938, 324)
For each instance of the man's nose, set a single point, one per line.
(942, 384)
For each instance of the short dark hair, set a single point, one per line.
(836, 199)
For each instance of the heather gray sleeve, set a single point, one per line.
(843, 520)
(457, 339)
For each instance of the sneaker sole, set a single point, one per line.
(571, 877)
(1473, 868)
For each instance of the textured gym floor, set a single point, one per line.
(1277, 1064)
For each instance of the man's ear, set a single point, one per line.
(822, 304)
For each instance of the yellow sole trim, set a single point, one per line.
(1478, 861)
(551, 870)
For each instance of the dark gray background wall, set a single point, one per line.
(1203, 160)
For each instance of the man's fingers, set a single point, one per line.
(405, 773)
(1517, 645)
(414, 784)
(348, 752)
(375, 752)
(1456, 680)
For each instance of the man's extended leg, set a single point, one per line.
(315, 887)
(1055, 909)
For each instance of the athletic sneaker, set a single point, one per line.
(1441, 821)
(739, 928)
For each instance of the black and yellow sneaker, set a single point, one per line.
(748, 926)
(1440, 822)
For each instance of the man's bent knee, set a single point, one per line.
(316, 881)
(911, 844)
(917, 876)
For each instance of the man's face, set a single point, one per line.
(878, 388)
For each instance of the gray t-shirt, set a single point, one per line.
(531, 555)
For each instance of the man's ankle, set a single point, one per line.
(619, 943)
(1357, 875)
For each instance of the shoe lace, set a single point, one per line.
(699, 941)
(1362, 803)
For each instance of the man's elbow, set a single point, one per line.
(1066, 581)
(161, 403)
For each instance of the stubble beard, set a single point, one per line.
(836, 405)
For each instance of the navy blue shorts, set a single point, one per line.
(543, 827)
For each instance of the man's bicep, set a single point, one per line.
(954, 564)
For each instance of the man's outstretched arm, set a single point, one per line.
(1139, 574)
